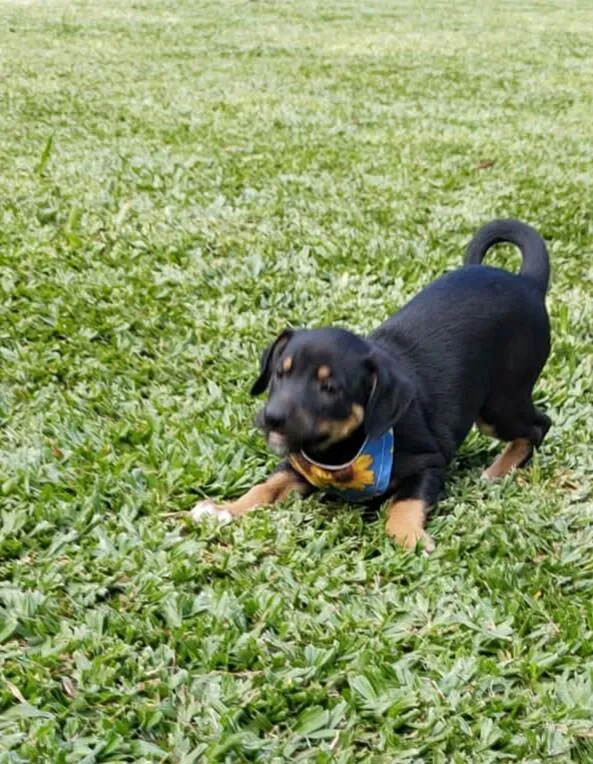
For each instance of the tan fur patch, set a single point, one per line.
(340, 429)
(485, 428)
(405, 523)
(287, 363)
(357, 413)
(323, 372)
(276, 488)
(512, 456)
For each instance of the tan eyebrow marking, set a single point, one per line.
(323, 372)
(287, 363)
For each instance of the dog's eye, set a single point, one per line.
(327, 386)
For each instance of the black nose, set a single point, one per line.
(275, 419)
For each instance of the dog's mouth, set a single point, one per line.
(293, 437)
(281, 444)
(309, 434)
(277, 443)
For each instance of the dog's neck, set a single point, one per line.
(342, 452)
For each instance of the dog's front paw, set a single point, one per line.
(208, 508)
(405, 525)
(428, 545)
(421, 537)
(410, 538)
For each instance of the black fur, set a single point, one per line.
(535, 267)
(469, 346)
(267, 360)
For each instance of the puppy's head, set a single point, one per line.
(323, 386)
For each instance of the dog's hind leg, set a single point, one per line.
(517, 421)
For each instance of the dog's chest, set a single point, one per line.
(362, 479)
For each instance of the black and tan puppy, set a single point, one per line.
(380, 418)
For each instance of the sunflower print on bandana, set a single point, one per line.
(364, 478)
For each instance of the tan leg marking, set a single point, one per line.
(512, 456)
(485, 428)
(405, 523)
(276, 488)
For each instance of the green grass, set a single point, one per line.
(178, 182)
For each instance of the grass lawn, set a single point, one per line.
(179, 180)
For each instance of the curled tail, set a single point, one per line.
(536, 263)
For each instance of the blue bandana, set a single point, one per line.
(362, 479)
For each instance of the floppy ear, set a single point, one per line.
(391, 395)
(267, 359)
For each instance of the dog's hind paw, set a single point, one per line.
(209, 508)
